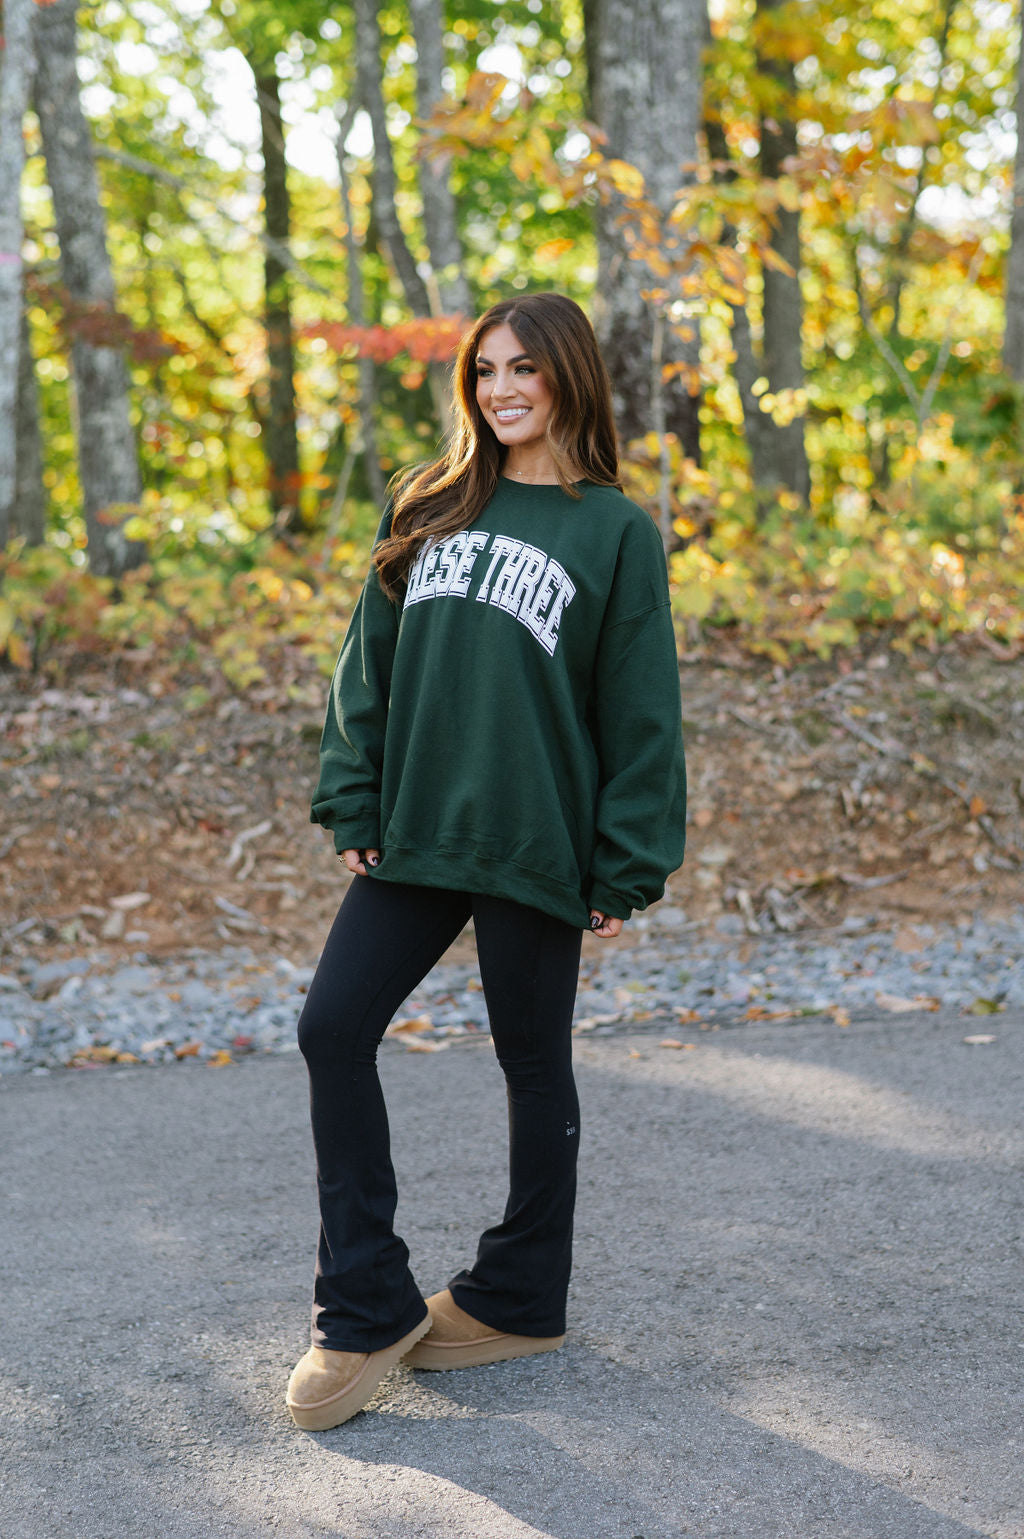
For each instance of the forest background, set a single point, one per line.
(248, 236)
(239, 241)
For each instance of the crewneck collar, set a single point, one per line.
(535, 488)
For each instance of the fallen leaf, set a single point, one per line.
(978, 806)
(187, 1050)
(687, 1047)
(220, 1058)
(839, 1015)
(704, 817)
(683, 1014)
(985, 1007)
(415, 1046)
(799, 878)
(413, 1023)
(900, 1006)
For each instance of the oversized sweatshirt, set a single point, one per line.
(513, 726)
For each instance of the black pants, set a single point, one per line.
(384, 941)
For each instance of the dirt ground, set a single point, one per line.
(148, 814)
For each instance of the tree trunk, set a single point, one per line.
(898, 251)
(783, 301)
(746, 365)
(29, 496)
(356, 305)
(281, 436)
(392, 238)
(16, 67)
(1013, 340)
(758, 427)
(107, 456)
(644, 62)
(439, 216)
(390, 235)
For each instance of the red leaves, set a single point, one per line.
(425, 339)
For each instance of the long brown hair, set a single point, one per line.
(448, 494)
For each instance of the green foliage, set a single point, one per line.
(916, 440)
(790, 586)
(257, 613)
(236, 615)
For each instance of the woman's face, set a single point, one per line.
(513, 395)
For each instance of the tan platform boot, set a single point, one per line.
(456, 1340)
(326, 1387)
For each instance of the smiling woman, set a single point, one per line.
(502, 743)
(540, 361)
(516, 401)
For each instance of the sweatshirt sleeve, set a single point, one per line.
(347, 795)
(641, 802)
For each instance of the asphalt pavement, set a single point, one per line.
(796, 1308)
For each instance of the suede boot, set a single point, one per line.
(326, 1387)
(456, 1340)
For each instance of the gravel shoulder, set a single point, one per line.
(222, 1006)
(795, 1309)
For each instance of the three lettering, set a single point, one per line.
(521, 579)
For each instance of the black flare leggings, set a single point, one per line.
(384, 941)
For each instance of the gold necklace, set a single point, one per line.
(532, 481)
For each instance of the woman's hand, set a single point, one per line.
(605, 926)
(358, 860)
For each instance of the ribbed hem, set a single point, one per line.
(462, 872)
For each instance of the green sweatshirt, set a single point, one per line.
(514, 727)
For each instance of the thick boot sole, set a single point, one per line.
(338, 1408)
(475, 1354)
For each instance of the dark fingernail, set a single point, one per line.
(374, 860)
(596, 921)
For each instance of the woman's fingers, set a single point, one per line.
(605, 926)
(358, 860)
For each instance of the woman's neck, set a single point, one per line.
(537, 469)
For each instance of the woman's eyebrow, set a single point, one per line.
(519, 358)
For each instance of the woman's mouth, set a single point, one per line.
(511, 413)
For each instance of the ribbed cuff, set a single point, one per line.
(608, 903)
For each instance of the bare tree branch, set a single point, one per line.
(181, 184)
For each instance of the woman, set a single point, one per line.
(502, 743)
